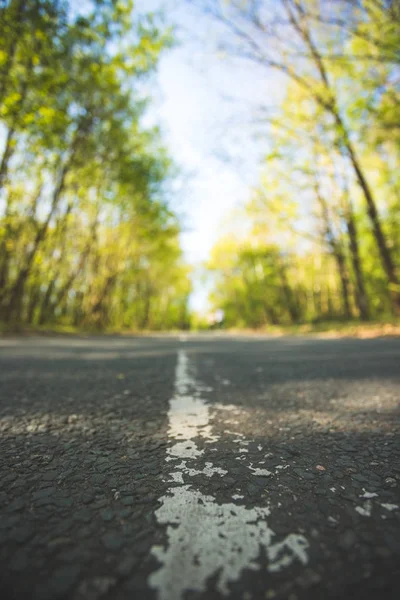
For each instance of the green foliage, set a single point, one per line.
(325, 217)
(86, 236)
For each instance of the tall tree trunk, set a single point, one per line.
(16, 295)
(297, 17)
(44, 308)
(380, 238)
(290, 300)
(78, 314)
(4, 249)
(5, 253)
(14, 307)
(344, 280)
(329, 301)
(10, 139)
(361, 294)
(60, 233)
(144, 322)
(337, 252)
(33, 302)
(7, 154)
(99, 312)
(64, 290)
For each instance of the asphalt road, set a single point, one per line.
(199, 468)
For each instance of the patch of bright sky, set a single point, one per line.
(205, 103)
(208, 107)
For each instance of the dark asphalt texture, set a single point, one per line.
(83, 440)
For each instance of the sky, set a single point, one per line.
(206, 104)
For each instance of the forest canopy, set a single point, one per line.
(87, 237)
(323, 224)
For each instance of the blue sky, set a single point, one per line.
(206, 103)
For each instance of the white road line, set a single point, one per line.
(205, 538)
(366, 509)
(390, 506)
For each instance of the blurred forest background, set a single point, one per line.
(88, 237)
(86, 234)
(324, 223)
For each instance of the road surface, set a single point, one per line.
(199, 467)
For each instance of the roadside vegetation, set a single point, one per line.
(320, 236)
(87, 238)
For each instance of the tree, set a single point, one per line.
(86, 235)
(300, 40)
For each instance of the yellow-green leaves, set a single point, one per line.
(86, 236)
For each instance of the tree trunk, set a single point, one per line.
(144, 322)
(361, 295)
(10, 143)
(337, 252)
(61, 228)
(98, 311)
(296, 16)
(4, 250)
(77, 312)
(290, 301)
(344, 279)
(14, 306)
(81, 265)
(44, 309)
(7, 154)
(386, 258)
(33, 302)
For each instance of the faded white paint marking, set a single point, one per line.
(365, 510)
(281, 555)
(187, 449)
(260, 472)
(390, 506)
(333, 520)
(206, 538)
(177, 477)
(231, 408)
(204, 388)
(188, 416)
(368, 494)
(208, 470)
(333, 489)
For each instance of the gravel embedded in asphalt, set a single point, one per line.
(277, 461)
